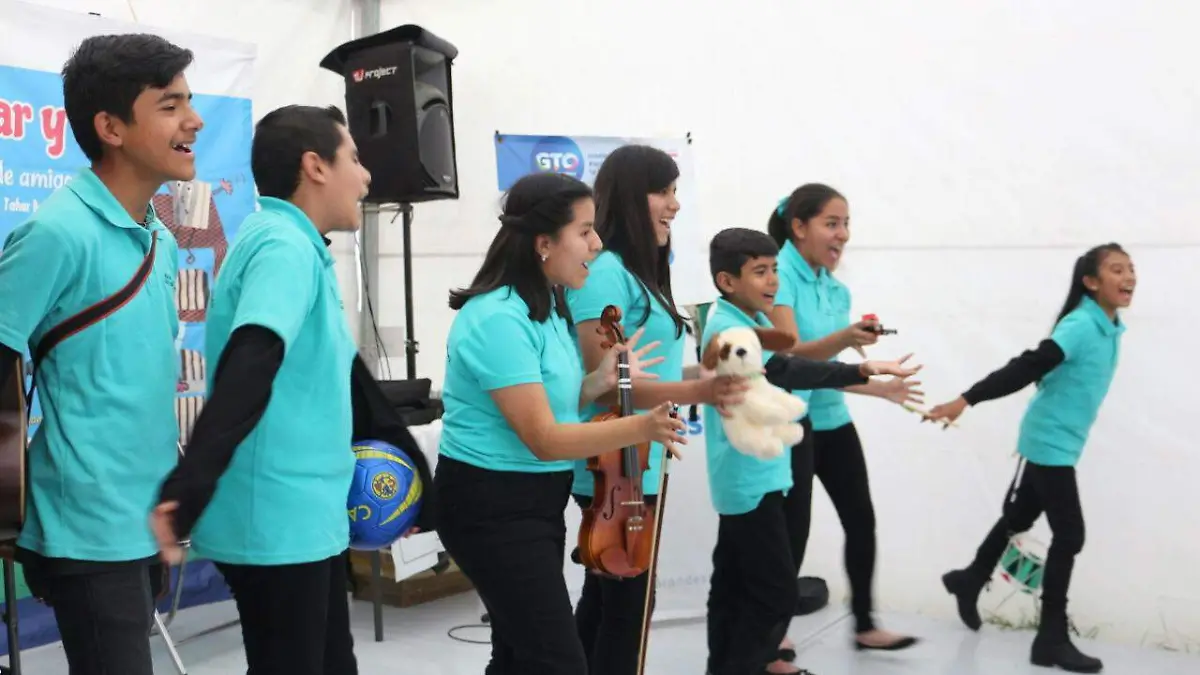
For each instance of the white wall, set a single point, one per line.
(292, 36)
(982, 145)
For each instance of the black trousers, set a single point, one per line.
(835, 456)
(1038, 489)
(295, 618)
(753, 593)
(609, 617)
(506, 531)
(104, 611)
(798, 501)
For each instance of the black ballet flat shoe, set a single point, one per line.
(902, 643)
(785, 654)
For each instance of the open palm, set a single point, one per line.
(901, 390)
(638, 361)
(896, 367)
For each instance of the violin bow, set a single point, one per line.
(652, 573)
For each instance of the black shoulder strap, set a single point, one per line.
(97, 312)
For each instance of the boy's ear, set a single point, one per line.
(774, 340)
(714, 353)
(724, 282)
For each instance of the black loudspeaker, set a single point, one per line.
(400, 112)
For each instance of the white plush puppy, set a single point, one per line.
(766, 421)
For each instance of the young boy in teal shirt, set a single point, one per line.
(753, 591)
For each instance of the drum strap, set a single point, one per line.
(1012, 490)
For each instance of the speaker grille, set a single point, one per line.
(436, 143)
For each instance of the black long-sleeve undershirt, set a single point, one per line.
(241, 391)
(798, 373)
(1023, 370)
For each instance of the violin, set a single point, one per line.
(620, 533)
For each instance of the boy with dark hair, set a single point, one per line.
(108, 434)
(268, 469)
(753, 592)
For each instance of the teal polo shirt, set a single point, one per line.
(493, 344)
(609, 283)
(108, 432)
(738, 482)
(1060, 415)
(282, 500)
(821, 305)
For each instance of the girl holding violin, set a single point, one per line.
(513, 391)
(635, 205)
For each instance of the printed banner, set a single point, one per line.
(581, 157)
(38, 155)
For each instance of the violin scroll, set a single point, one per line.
(610, 327)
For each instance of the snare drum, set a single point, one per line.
(1024, 563)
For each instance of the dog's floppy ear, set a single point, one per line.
(774, 340)
(714, 353)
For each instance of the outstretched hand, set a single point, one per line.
(896, 367)
(946, 413)
(638, 363)
(902, 391)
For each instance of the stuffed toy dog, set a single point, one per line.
(765, 422)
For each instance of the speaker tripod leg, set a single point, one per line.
(377, 593)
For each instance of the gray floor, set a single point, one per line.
(416, 643)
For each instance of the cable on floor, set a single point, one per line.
(484, 622)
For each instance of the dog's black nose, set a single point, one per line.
(741, 352)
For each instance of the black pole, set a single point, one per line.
(410, 357)
(410, 341)
(10, 618)
(377, 593)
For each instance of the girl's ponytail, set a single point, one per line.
(804, 204)
(777, 224)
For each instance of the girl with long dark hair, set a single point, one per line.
(1073, 369)
(512, 428)
(635, 206)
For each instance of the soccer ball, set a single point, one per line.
(385, 496)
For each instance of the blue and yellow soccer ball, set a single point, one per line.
(385, 496)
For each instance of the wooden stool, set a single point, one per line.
(7, 553)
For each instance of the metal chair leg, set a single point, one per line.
(166, 636)
(177, 596)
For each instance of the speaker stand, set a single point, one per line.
(410, 358)
(410, 339)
